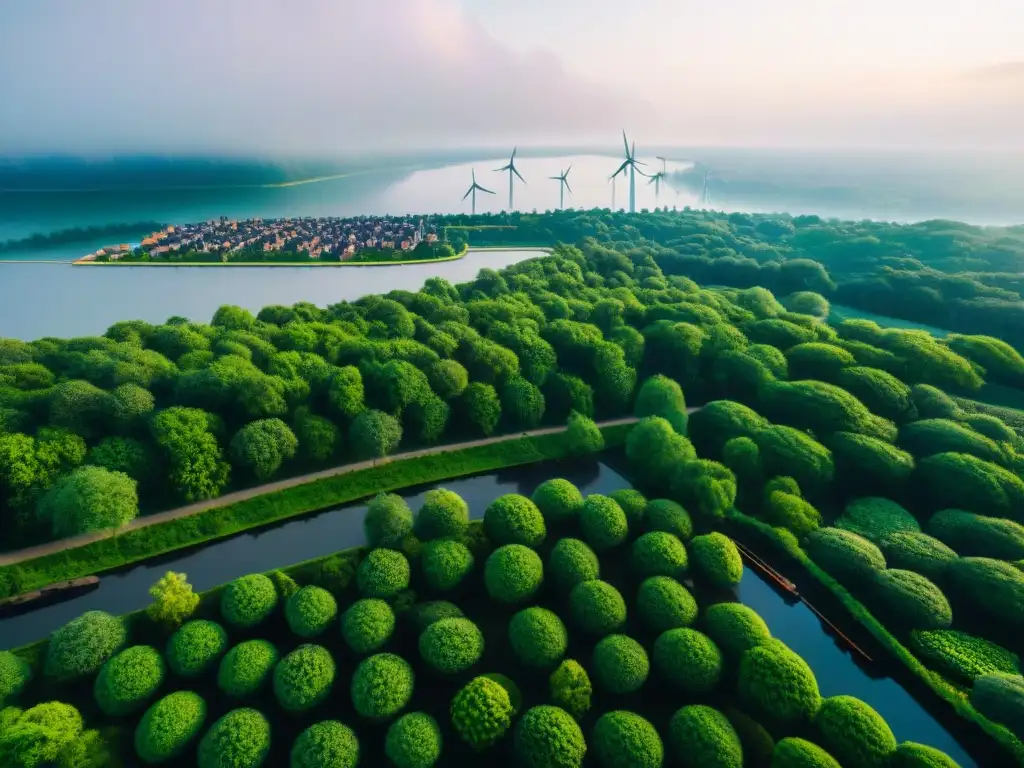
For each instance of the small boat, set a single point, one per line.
(48, 594)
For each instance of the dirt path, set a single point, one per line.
(30, 553)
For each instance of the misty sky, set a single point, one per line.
(336, 76)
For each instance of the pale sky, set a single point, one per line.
(338, 76)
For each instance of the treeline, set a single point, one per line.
(72, 235)
(958, 276)
(158, 415)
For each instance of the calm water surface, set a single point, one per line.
(336, 529)
(38, 300)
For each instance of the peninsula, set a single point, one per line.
(331, 240)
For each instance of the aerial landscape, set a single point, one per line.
(476, 383)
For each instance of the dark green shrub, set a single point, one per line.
(661, 396)
(758, 744)
(851, 728)
(817, 360)
(880, 391)
(240, 739)
(777, 686)
(620, 664)
(702, 737)
(582, 435)
(196, 647)
(793, 752)
(128, 680)
(245, 669)
(414, 741)
(514, 519)
(513, 573)
(663, 603)
(304, 678)
(711, 427)
(991, 586)
(845, 555)
(1000, 697)
(654, 450)
(658, 554)
(876, 518)
(707, 486)
(83, 645)
(310, 611)
(425, 614)
(286, 586)
(668, 516)
(446, 563)
(917, 552)
(443, 515)
(873, 464)
(481, 712)
(962, 481)
(597, 608)
(548, 737)
(978, 536)
(39, 736)
(603, 523)
(716, 560)
(247, 601)
(388, 521)
(169, 726)
(570, 688)
(912, 755)
(328, 744)
(930, 436)
(790, 452)
(735, 628)
(383, 574)
(558, 500)
(15, 674)
(689, 660)
(452, 645)
(367, 624)
(571, 562)
(909, 600)
(625, 740)
(381, 686)
(962, 656)
(538, 637)
(633, 503)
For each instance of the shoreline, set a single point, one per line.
(311, 263)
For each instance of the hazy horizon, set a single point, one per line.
(335, 78)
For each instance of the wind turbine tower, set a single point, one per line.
(656, 180)
(664, 163)
(612, 180)
(563, 184)
(512, 172)
(705, 197)
(473, 190)
(631, 163)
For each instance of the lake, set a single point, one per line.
(61, 300)
(332, 530)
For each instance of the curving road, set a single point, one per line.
(21, 555)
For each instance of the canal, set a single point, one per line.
(837, 671)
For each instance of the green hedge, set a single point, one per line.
(169, 726)
(548, 737)
(658, 554)
(558, 500)
(917, 552)
(875, 518)
(240, 739)
(663, 603)
(196, 647)
(962, 656)
(597, 608)
(310, 611)
(329, 744)
(622, 739)
(381, 686)
(513, 573)
(245, 669)
(777, 685)
(603, 523)
(571, 688)
(794, 752)
(248, 600)
(514, 519)
(451, 645)
(688, 660)
(702, 737)
(845, 555)
(383, 573)
(413, 741)
(481, 712)
(1001, 697)
(83, 645)
(978, 536)
(735, 628)
(446, 564)
(128, 680)
(717, 560)
(443, 514)
(538, 637)
(620, 664)
(571, 562)
(853, 730)
(367, 625)
(668, 516)
(304, 678)
(908, 600)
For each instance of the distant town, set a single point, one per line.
(326, 239)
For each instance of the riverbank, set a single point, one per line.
(743, 528)
(157, 534)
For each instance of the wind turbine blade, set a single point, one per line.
(625, 142)
(555, 178)
(622, 169)
(485, 190)
(467, 194)
(567, 170)
(503, 168)
(514, 152)
(516, 172)
(567, 186)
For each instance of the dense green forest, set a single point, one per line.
(844, 443)
(958, 276)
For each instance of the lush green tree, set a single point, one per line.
(240, 739)
(448, 379)
(622, 739)
(383, 573)
(345, 392)
(451, 646)
(304, 678)
(388, 521)
(173, 600)
(582, 435)
(992, 587)
(663, 603)
(849, 727)
(777, 686)
(90, 499)
(184, 436)
(909, 600)
(444, 514)
(514, 519)
(481, 712)
(40, 735)
(880, 391)
(706, 486)
(128, 680)
(658, 554)
(15, 674)
(962, 481)
(246, 668)
(169, 726)
(620, 664)
(481, 407)
(261, 447)
(794, 752)
(310, 611)
(703, 736)
(596, 607)
(83, 645)
(196, 647)
(248, 600)
(1000, 697)
(413, 741)
(655, 450)
(875, 518)
(570, 688)
(558, 500)
(374, 434)
(446, 563)
(712, 426)
(735, 628)
(513, 573)
(817, 360)
(564, 393)
(661, 396)
(382, 686)
(548, 737)
(522, 403)
(717, 560)
(538, 637)
(668, 516)
(786, 510)
(367, 625)
(869, 464)
(328, 744)
(319, 438)
(977, 535)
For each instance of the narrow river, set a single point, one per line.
(336, 529)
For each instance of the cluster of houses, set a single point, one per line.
(330, 237)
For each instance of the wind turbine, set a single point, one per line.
(656, 180)
(511, 168)
(612, 180)
(563, 184)
(705, 198)
(472, 191)
(664, 163)
(631, 163)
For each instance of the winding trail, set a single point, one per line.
(52, 547)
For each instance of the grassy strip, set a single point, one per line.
(138, 544)
(953, 695)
